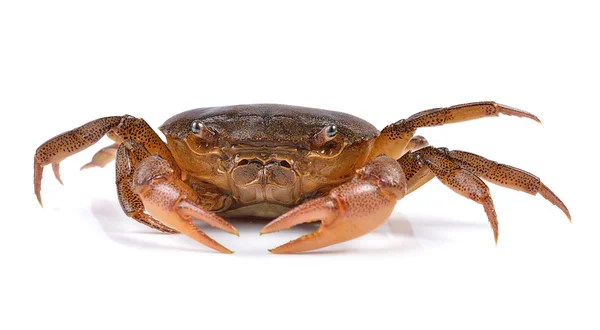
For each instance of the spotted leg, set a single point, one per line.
(351, 210)
(460, 171)
(118, 128)
(505, 175)
(394, 138)
(152, 184)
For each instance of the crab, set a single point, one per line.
(287, 163)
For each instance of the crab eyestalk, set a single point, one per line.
(326, 134)
(203, 132)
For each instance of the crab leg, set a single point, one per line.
(118, 128)
(394, 138)
(506, 176)
(461, 182)
(461, 170)
(348, 211)
(66, 144)
(170, 201)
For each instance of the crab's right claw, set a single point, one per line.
(349, 211)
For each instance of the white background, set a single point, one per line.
(80, 263)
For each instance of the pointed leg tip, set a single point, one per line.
(568, 214)
(56, 170)
(38, 195)
(512, 111)
(38, 170)
(39, 198)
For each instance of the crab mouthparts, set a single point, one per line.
(272, 181)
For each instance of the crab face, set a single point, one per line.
(268, 154)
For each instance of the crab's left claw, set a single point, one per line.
(349, 211)
(171, 202)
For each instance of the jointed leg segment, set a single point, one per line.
(118, 128)
(506, 176)
(394, 138)
(461, 170)
(434, 163)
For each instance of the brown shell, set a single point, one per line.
(275, 123)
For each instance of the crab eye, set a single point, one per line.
(197, 126)
(326, 141)
(202, 131)
(323, 136)
(331, 131)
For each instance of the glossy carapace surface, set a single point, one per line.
(268, 157)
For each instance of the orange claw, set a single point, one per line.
(171, 202)
(349, 211)
(340, 222)
(164, 202)
(323, 209)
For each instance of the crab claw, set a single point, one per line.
(349, 211)
(179, 217)
(178, 214)
(173, 203)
